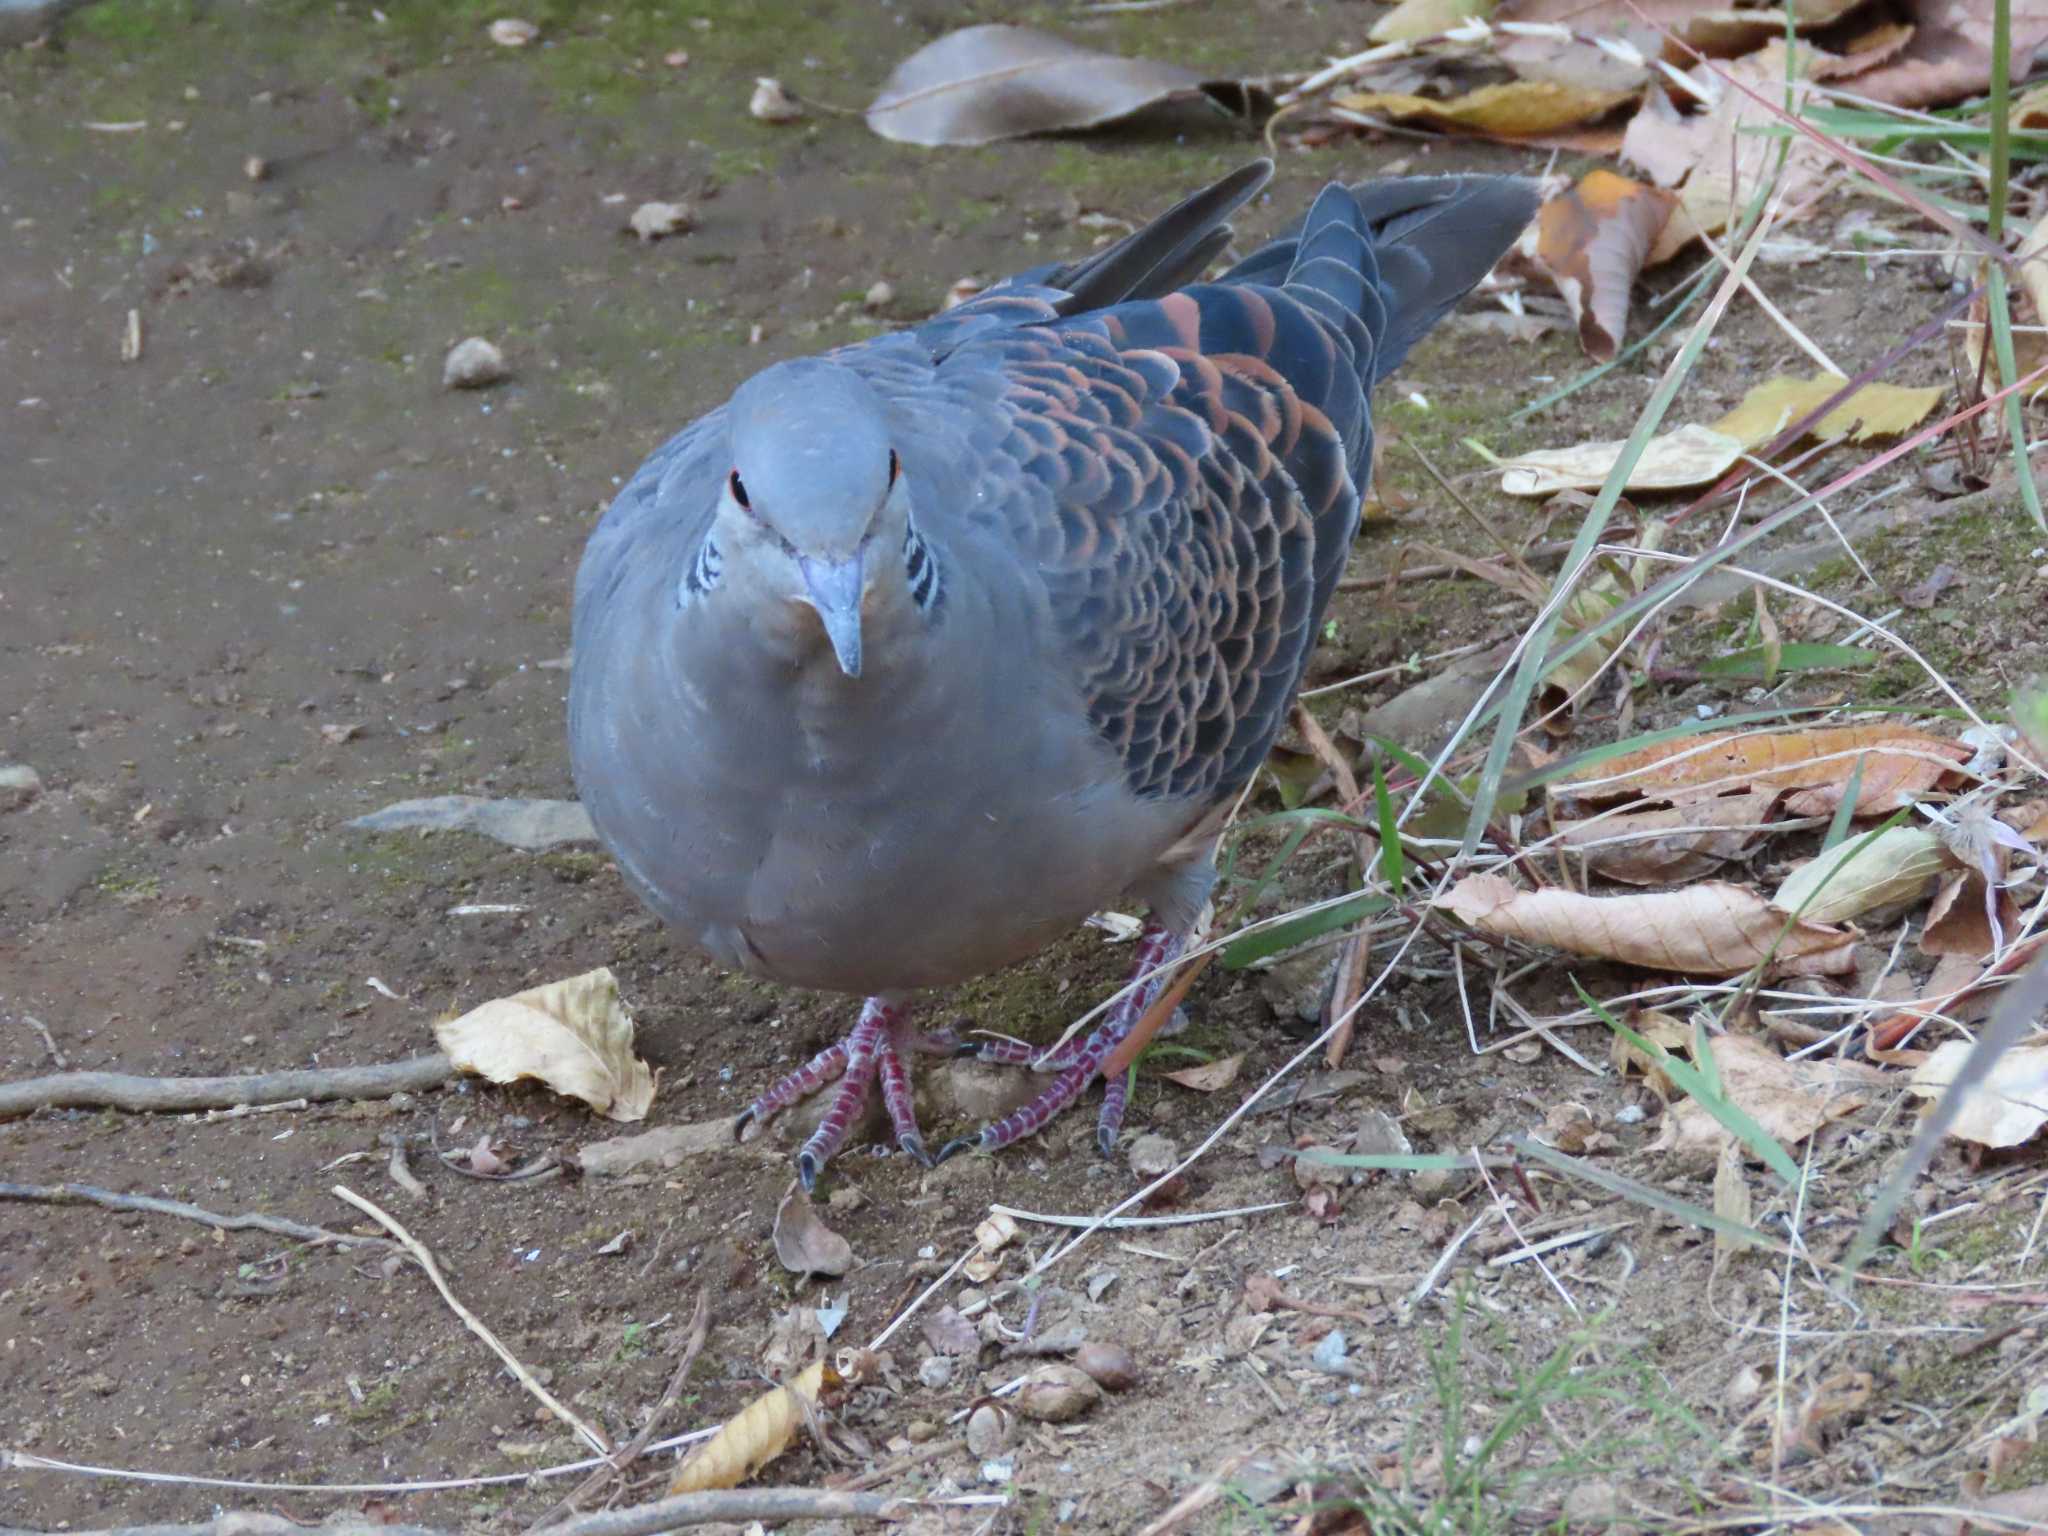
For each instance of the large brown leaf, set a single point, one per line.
(981, 84)
(1949, 55)
(1898, 764)
(1717, 30)
(1725, 152)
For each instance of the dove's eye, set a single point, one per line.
(739, 489)
(894, 468)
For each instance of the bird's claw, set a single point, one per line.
(913, 1146)
(745, 1118)
(808, 1166)
(955, 1147)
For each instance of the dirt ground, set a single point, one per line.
(271, 576)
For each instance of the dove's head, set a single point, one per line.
(814, 512)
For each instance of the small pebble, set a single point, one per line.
(473, 363)
(654, 221)
(936, 1371)
(879, 297)
(988, 1430)
(512, 32)
(772, 104)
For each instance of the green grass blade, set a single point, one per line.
(1752, 661)
(1313, 924)
(1393, 862)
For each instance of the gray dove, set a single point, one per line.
(895, 667)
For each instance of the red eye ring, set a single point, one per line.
(738, 489)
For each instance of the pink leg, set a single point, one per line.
(1157, 949)
(875, 1048)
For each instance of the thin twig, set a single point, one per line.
(772, 1505)
(1186, 1219)
(283, 1226)
(902, 1464)
(700, 1324)
(122, 1090)
(473, 1323)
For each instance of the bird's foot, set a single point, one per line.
(1158, 948)
(875, 1049)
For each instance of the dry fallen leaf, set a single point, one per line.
(1591, 240)
(1899, 765)
(1209, 1075)
(1875, 410)
(1413, 20)
(754, 1436)
(1635, 34)
(803, 1243)
(1693, 455)
(1960, 919)
(1661, 1030)
(1731, 1201)
(1725, 152)
(948, 1333)
(1672, 843)
(2029, 303)
(1789, 1099)
(981, 84)
(1710, 929)
(2005, 1109)
(1949, 55)
(574, 1035)
(1517, 109)
(1898, 864)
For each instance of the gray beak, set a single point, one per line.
(835, 591)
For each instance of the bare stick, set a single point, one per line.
(730, 1504)
(700, 1324)
(87, 1194)
(472, 1322)
(122, 1090)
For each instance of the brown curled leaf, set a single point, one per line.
(1591, 240)
(1676, 842)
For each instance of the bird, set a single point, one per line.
(892, 669)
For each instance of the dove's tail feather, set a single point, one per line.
(1398, 254)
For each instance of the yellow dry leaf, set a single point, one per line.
(1693, 455)
(1875, 410)
(574, 1035)
(1710, 929)
(1413, 20)
(754, 1436)
(2006, 1108)
(1516, 109)
(1899, 764)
